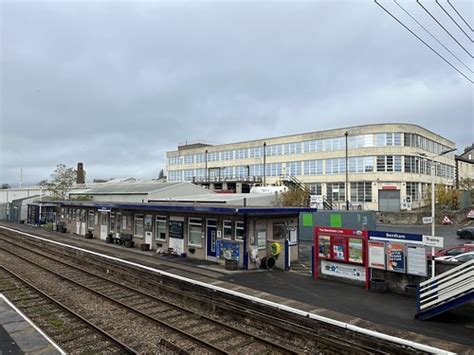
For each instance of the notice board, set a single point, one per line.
(416, 260)
(396, 257)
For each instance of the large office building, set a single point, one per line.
(388, 165)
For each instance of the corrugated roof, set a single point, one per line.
(142, 187)
(216, 198)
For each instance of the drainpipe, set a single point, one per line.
(264, 163)
(207, 171)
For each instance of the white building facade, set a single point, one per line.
(388, 165)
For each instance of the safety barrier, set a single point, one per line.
(446, 291)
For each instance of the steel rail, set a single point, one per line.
(165, 324)
(169, 303)
(110, 337)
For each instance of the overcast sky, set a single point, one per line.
(117, 84)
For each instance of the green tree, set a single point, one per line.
(62, 179)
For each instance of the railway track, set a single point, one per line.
(73, 332)
(208, 333)
(202, 330)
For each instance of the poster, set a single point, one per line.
(351, 272)
(228, 250)
(416, 260)
(355, 250)
(377, 255)
(176, 229)
(396, 257)
(324, 246)
(338, 248)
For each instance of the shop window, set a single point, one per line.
(91, 220)
(239, 230)
(160, 228)
(112, 222)
(279, 231)
(195, 232)
(138, 225)
(227, 229)
(176, 229)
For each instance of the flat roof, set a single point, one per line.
(127, 188)
(192, 208)
(323, 131)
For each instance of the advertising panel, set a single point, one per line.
(324, 246)
(228, 250)
(396, 257)
(355, 250)
(261, 239)
(347, 271)
(338, 248)
(377, 255)
(416, 260)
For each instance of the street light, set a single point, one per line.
(433, 202)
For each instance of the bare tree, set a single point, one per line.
(62, 180)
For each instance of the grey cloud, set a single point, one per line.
(117, 84)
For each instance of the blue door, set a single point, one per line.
(211, 237)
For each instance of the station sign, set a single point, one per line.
(433, 241)
(408, 237)
(427, 220)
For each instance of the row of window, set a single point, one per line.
(384, 163)
(320, 145)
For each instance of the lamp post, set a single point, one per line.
(433, 171)
(41, 202)
(347, 175)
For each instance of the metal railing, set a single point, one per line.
(435, 294)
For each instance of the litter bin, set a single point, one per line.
(378, 285)
(89, 235)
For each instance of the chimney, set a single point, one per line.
(81, 174)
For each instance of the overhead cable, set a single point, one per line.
(462, 18)
(426, 44)
(447, 13)
(441, 44)
(444, 28)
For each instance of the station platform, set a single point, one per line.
(18, 335)
(390, 314)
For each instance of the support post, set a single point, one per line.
(347, 175)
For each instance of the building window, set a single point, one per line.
(241, 154)
(200, 158)
(273, 169)
(361, 191)
(335, 166)
(255, 152)
(112, 221)
(313, 146)
(293, 148)
(313, 167)
(293, 168)
(195, 232)
(413, 190)
(227, 229)
(91, 220)
(256, 170)
(336, 191)
(388, 163)
(315, 189)
(276, 149)
(239, 230)
(160, 225)
(138, 225)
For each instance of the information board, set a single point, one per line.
(416, 260)
(355, 250)
(347, 271)
(324, 246)
(377, 255)
(338, 248)
(396, 257)
(261, 239)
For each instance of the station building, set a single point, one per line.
(216, 233)
(389, 165)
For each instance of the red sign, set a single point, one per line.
(389, 187)
(343, 245)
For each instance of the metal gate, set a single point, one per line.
(389, 200)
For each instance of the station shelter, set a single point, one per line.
(248, 235)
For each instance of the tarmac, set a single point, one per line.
(390, 313)
(19, 336)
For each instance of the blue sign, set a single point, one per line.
(409, 237)
(228, 250)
